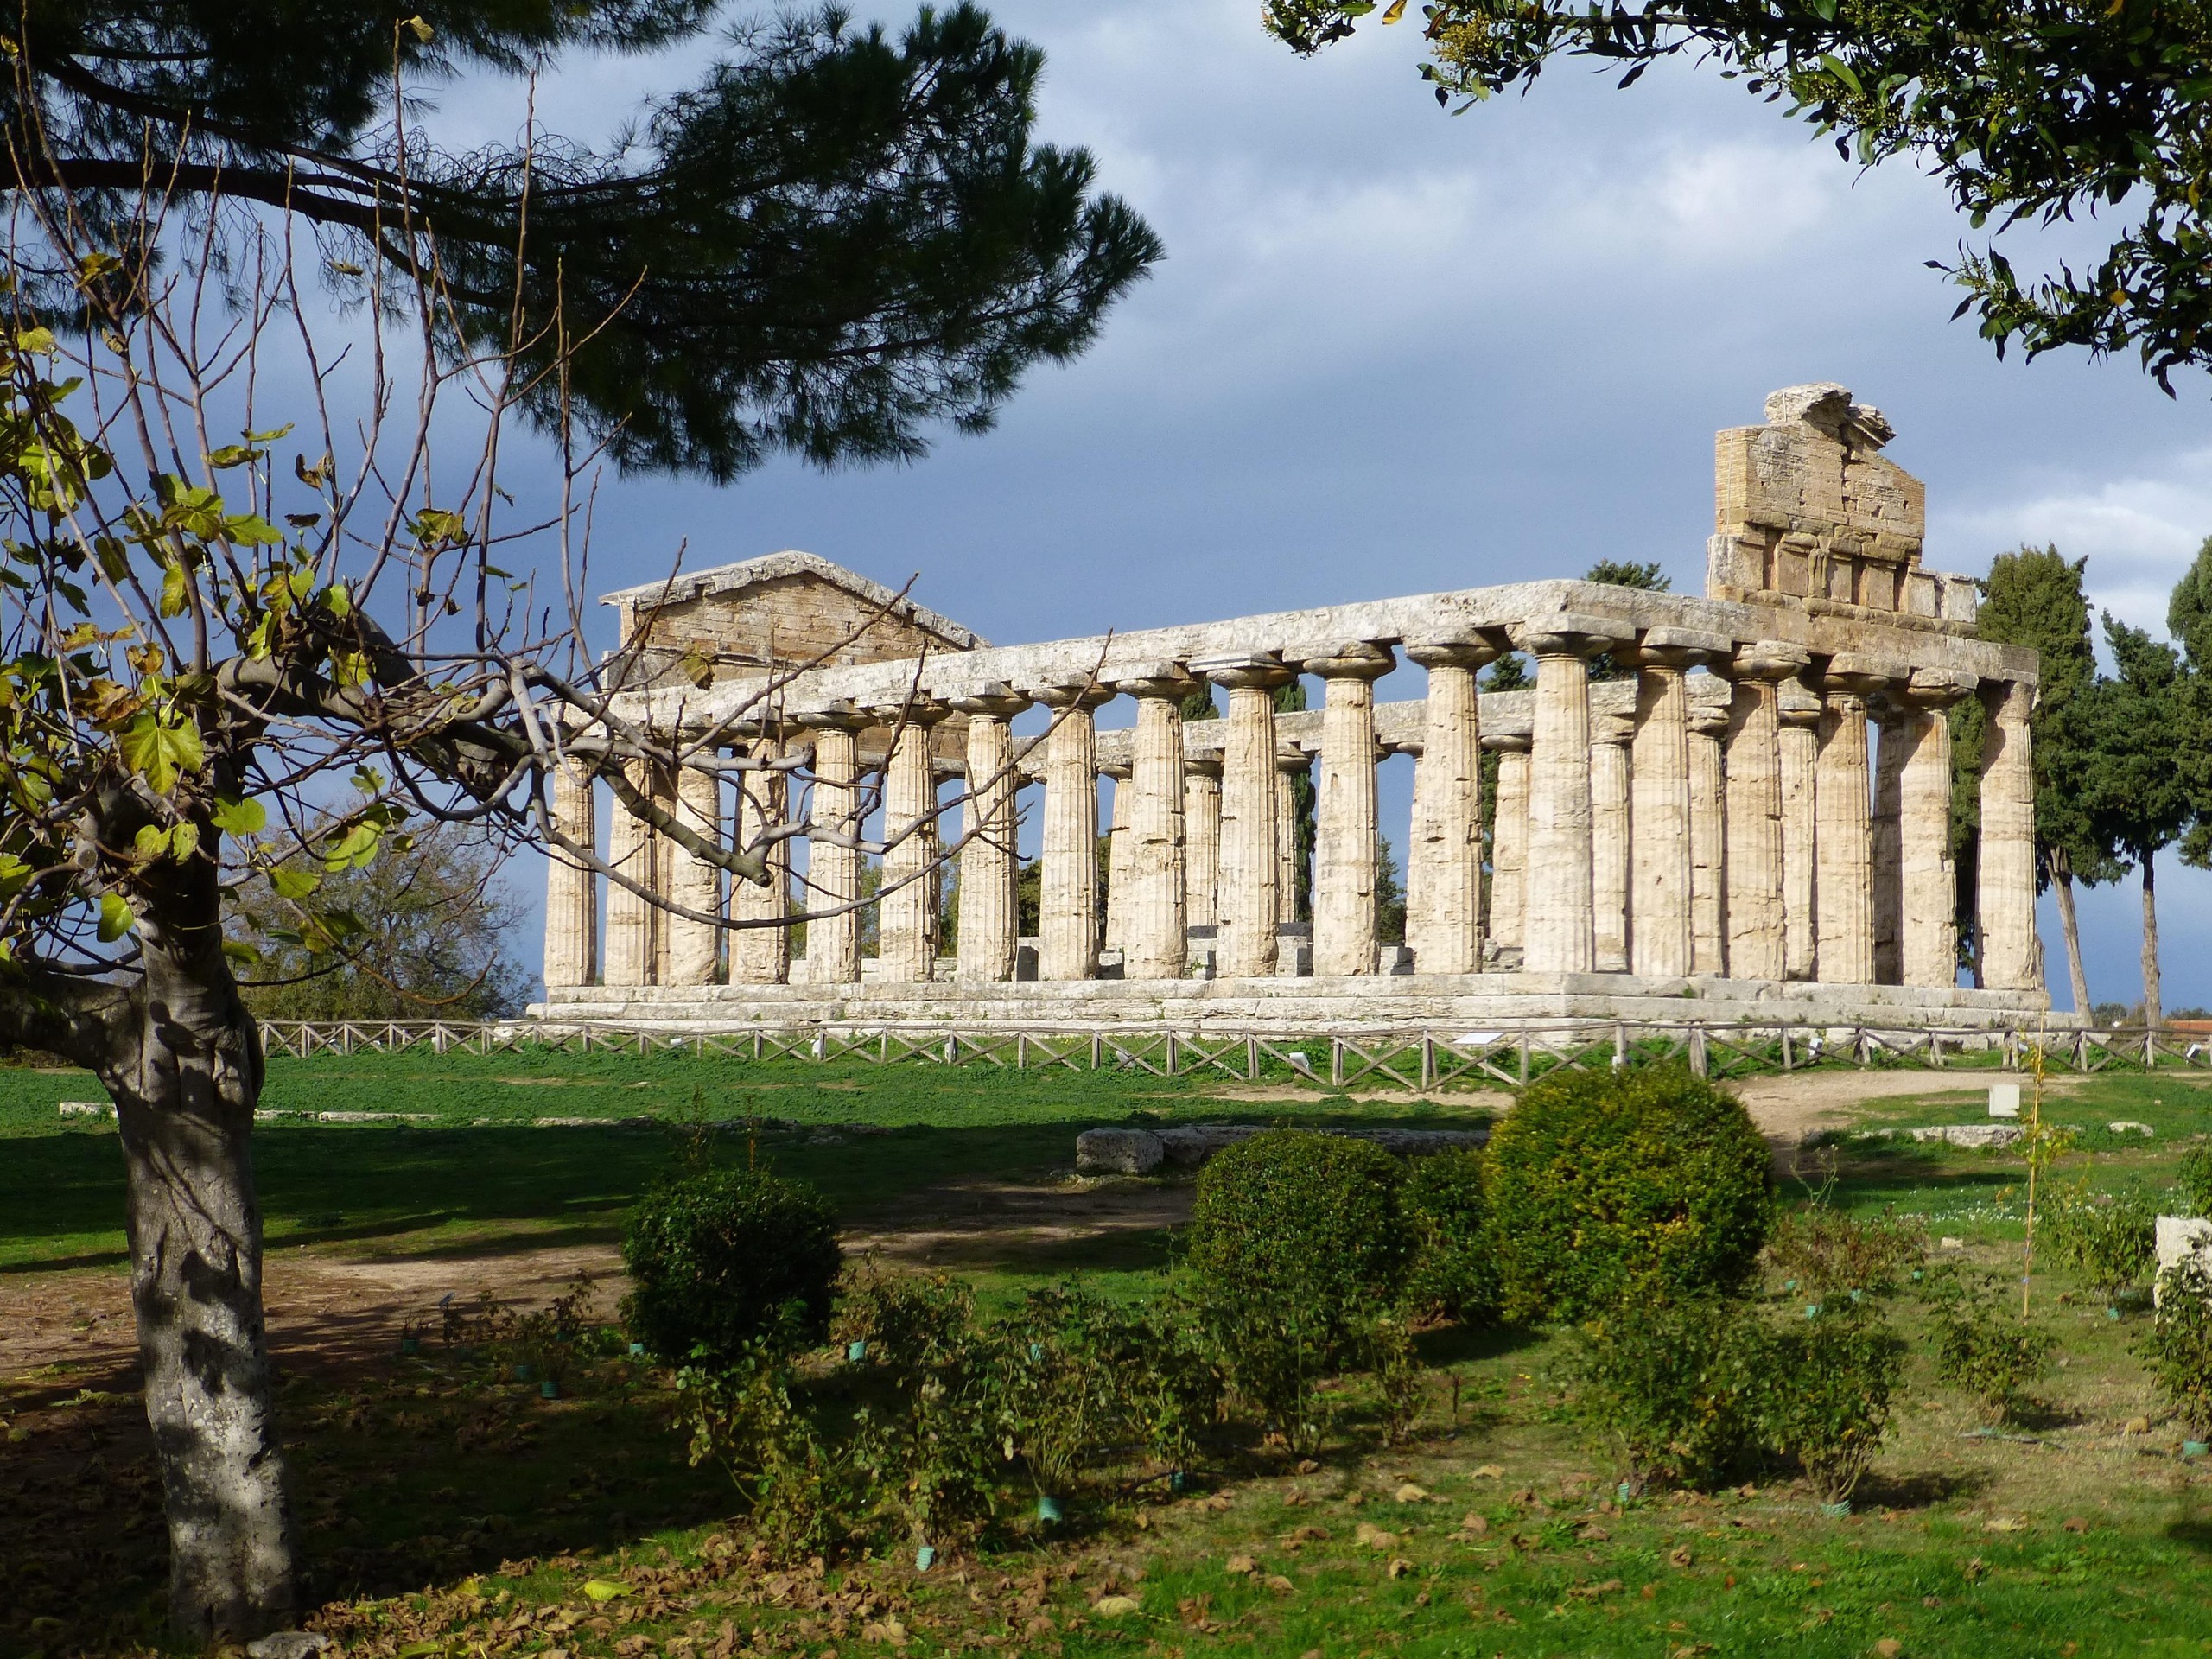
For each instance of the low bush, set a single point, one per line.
(1984, 1348)
(717, 1258)
(1828, 1389)
(1607, 1187)
(2109, 1242)
(2196, 1179)
(1820, 1254)
(1674, 1385)
(2176, 1345)
(1453, 1274)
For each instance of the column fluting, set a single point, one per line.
(1444, 859)
(1201, 826)
(1559, 934)
(1800, 743)
(572, 887)
(833, 854)
(1928, 885)
(906, 929)
(2005, 871)
(629, 912)
(989, 917)
(1346, 827)
(1660, 857)
(1843, 894)
(1156, 945)
(1610, 811)
(1250, 862)
(1892, 746)
(1068, 922)
(1756, 948)
(761, 955)
(1707, 723)
(1509, 848)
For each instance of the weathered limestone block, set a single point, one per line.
(1970, 1134)
(1345, 819)
(1118, 1152)
(2006, 875)
(572, 887)
(2180, 1239)
(1444, 863)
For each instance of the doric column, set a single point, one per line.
(629, 914)
(1800, 740)
(1894, 722)
(1929, 939)
(1509, 846)
(1843, 896)
(1611, 735)
(906, 929)
(1292, 762)
(1115, 931)
(1068, 926)
(2005, 875)
(833, 854)
(1756, 941)
(1660, 860)
(1201, 826)
(572, 889)
(1345, 827)
(1707, 723)
(1559, 937)
(989, 917)
(761, 955)
(1250, 862)
(1444, 859)
(1154, 941)
(664, 878)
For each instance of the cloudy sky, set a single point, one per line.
(1391, 350)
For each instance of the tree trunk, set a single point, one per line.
(2151, 1016)
(2063, 880)
(185, 1068)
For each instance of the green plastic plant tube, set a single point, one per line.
(522, 1373)
(637, 1351)
(549, 1390)
(924, 1558)
(411, 1344)
(2112, 1312)
(2194, 1448)
(1812, 1310)
(1836, 1511)
(1049, 1510)
(856, 1350)
(1176, 1480)
(1623, 1492)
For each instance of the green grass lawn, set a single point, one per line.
(458, 1500)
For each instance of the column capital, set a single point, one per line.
(1570, 634)
(1799, 706)
(1262, 671)
(1289, 757)
(838, 717)
(1679, 648)
(1860, 676)
(1086, 693)
(919, 711)
(1710, 718)
(1937, 688)
(1773, 660)
(1618, 730)
(1507, 742)
(1119, 770)
(993, 700)
(1207, 764)
(1353, 660)
(1157, 682)
(1472, 650)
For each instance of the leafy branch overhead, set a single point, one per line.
(835, 239)
(2026, 111)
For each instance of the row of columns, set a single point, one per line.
(1738, 836)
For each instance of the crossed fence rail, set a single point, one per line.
(1420, 1059)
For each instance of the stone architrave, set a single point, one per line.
(1346, 828)
(1115, 931)
(2005, 872)
(1202, 825)
(1799, 743)
(1155, 944)
(989, 917)
(1509, 846)
(1559, 936)
(1068, 922)
(1756, 940)
(629, 912)
(693, 883)
(572, 887)
(761, 954)
(1843, 897)
(1659, 768)
(833, 854)
(1893, 745)
(1610, 809)
(1444, 863)
(1707, 724)
(1250, 862)
(907, 931)
(1929, 883)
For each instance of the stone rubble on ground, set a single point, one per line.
(1970, 1135)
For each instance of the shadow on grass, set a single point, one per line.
(1920, 1491)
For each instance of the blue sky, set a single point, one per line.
(1391, 350)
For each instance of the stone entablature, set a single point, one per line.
(1709, 818)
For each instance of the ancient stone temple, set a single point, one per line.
(1744, 814)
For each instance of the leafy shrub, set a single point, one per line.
(1827, 1392)
(715, 1259)
(1984, 1348)
(2177, 1345)
(1606, 1187)
(1453, 1272)
(2109, 1242)
(1673, 1384)
(2196, 1178)
(1823, 1254)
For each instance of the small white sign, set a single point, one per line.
(2003, 1100)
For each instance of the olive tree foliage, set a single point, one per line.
(245, 655)
(2027, 111)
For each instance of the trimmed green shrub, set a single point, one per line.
(2177, 1345)
(2108, 1241)
(1674, 1385)
(1606, 1187)
(1297, 1242)
(1984, 1348)
(721, 1260)
(1828, 1389)
(1453, 1272)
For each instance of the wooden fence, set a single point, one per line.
(1420, 1059)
